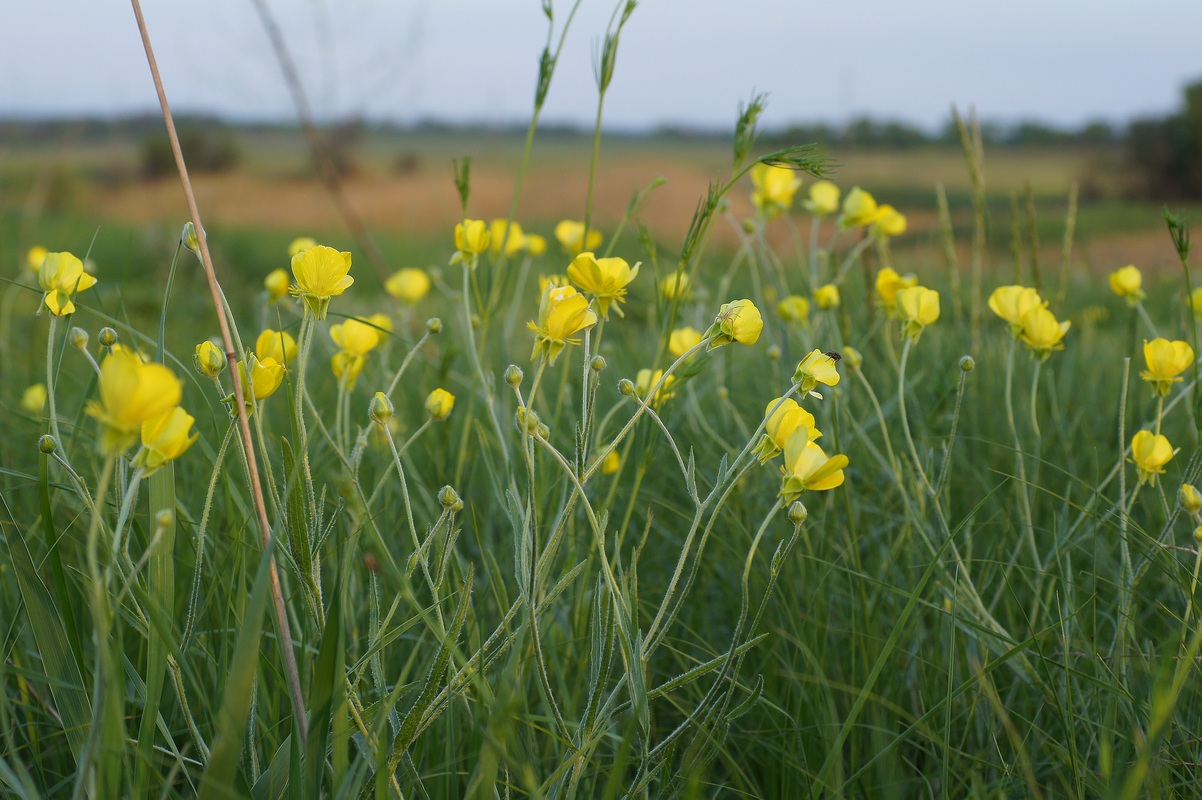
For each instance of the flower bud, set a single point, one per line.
(47, 444)
(749, 226)
(439, 404)
(774, 352)
(598, 363)
(514, 375)
(1198, 534)
(450, 500)
(1190, 499)
(723, 393)
(626, 387)
(165, 518)
(79, 338)
(433, 325)
(188, 238)
(852, 357)
(527, 420)
(967, 364)
(107, 336)
(380, 410)
(544, 432)
(797, 512)
(209, 359)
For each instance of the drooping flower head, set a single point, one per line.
(1127, 283)
(165, 438)
(1012, 303)
(1165, 361)
(570, 234)
(887, 284)
(815, 368)
(859, 209)
(62, 276)
(132, 392)
(827, 297)
(408, 285)
(320, 273)
(783, 417)
(562, 313)
(604, 278)
(823, 200)
(794, 309)
(683, 340)
(917, 307)
(1042, 333)
(1149, 453)
(774, 189)
(737, 321)
(808, 468)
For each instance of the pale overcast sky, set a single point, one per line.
(680, 62)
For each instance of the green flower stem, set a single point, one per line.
(1034, 397)
(489, 397)
(127, 502)
(1019, 459)
(901, 407)
(850, 260)
(1193, 590)
(1159, 411)
(50, 408)
(400, 452)
(304, 347)
(946, 469)
(1143, 314)
(405, 364)
(1125, 580)
(103, 679)
(201, 530)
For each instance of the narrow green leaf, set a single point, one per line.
(329, 676)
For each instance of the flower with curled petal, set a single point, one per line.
(562, 313)
(783, 416)
(61, 277)
(808, 468)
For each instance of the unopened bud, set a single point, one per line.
(107, 336)
(797, 513)
(514, 375)
(209, 360)
(165, 518)
(852, 357)
(47, 444)
(79, 338)
(748, 226)
(543, 431)
(626, 387)
(1198, 534)
(598, 363)
(450, 500)
(723, 393)
(527, 420)
(1190, 499)
(380, 410)
(967, 364)
(774, 352)
(433, 325)
(189, 239)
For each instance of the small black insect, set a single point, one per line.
(833, 356)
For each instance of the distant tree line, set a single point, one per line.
(1167, 151)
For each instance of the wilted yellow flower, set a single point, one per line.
(266, 375)
(347, 366)
(209, 359)
(815, 368)
(514, 243)
(408, 285)
(783, 418)
(683, 340)
(604, 278)
(1126, 283)
(794, 309)
(827, 297)
(823, 199)
(276, 283)
(917, 307)
(887, 284)
(278, 345)
(645, 379)
(165, 438)
(536, 245)
(1012, 303)
(61, 277)
(439, 404)
(570, 234)
(1042, 333)
(131, 393)
(1166, 361)
(859, 209)
(321, 273)
(1191, 499)
(562, 313)
(1149, 453)
(807, 467)
(889, 222)
(33, 399)
(737, 321)
(34, 258)
(612, 463)
(774, 188)
(300, 244)
(675, 285)
(355, 337)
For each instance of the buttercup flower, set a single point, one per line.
(276, 283)
(346, 367)
(514, 243)
(815, 368)
(570, 234)
(551, 280)
(683, 340)
(807, 467)
(823, 199)
(165, 438)
(787, 417)
(266, 375)
(1149, 453)
(131, 393)
(439, 404)
(774, 188)
(889, 222)
(209, 359)
(1042, 333)
(355, 337)
(33, 399)
(604, 278)
(471, 239)
(300, 244)
(61, 277)
(536, 245)
(827, 297)
(1195, 302)
(1012, 303)
(562, 313)
(278, 345)
(381, 321)
(1127, 283)
(1166, 361)
(737, 321)
(859, 209)
(887, 284)
(408, 285)
(612, 463)
(675, 285)
(1191, 499)
(794, 309)
(645, 379)
(34, 258)
(917, 307)
(321, 273)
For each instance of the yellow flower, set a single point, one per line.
(1191, 499)
(33, 399)
(300, 244)
(408, 285)
(1126, 283)
(604, 278)
(859, 209)
(321, 273)
(276, 283)
(536, 245)
(131, 393)
(1195, 302)
(887, 284)
(815, 368)
(562, 313)
(266, 375)
(355, 337)
(737, 321)
(34, 258)
(645, 379)
(347, 365)
(827, 297)
(1042, 333)
(1149, 453)
(209, 359)
(889, 222)
(551, 280)
(514, 243)
(784, 416)
(774, 188)
(61, 277)
(675, 285)
(612, 463)
(471, 239)
(683, 340)
(381, 321)
(165, 438)
(823, 200)
(794, 309)
(807, 467)
(917, 307)
(1166, 361)
(570, 234)
(1012, 303)
(439, 404)
(278, 345)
